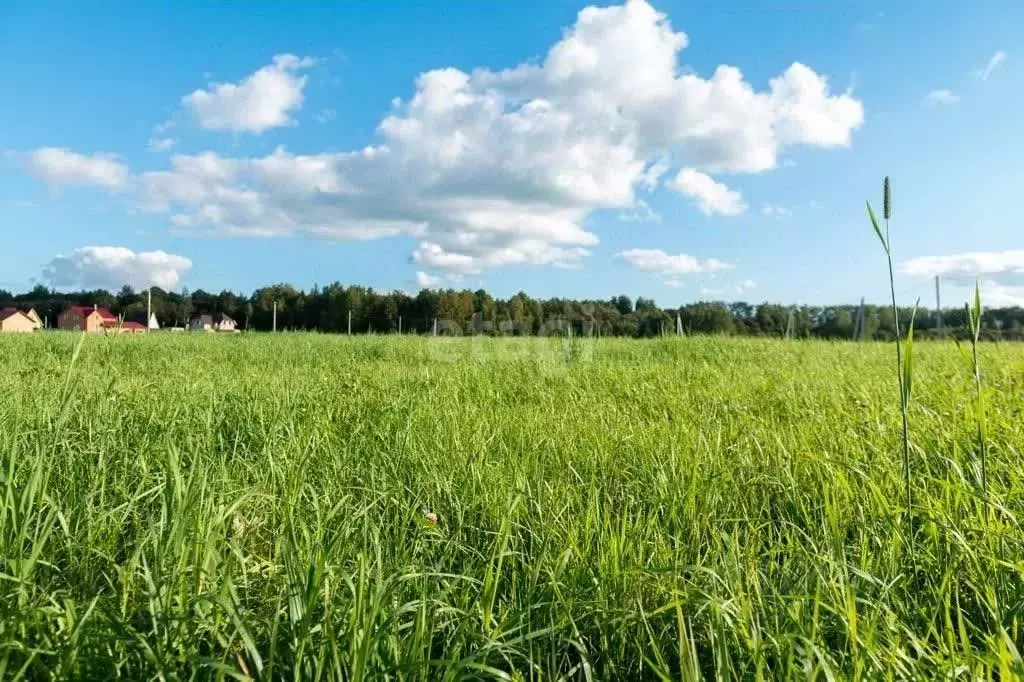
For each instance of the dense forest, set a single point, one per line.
(327, 309)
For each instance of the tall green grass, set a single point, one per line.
(974, 322)
(252, 507)
(904, 367)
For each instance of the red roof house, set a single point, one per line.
(86, 318)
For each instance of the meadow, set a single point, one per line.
(302, 506)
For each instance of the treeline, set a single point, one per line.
(330, 308)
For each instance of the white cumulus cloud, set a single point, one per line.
(999, 273)
(711, 196)
(58, 167)
(488, 168)
(111, 267)
(657, 261)
(425, 280)
(997, 295)
(1004, 266)
(263, 100)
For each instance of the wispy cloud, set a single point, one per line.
(656, 260)
(160, 144)
(865, 25)
(325, 115)
(776, 211)
(993, 63)
(943, 96)
(640, 213)
(734, 289)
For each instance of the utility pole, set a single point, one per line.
(858, 323)
(789, 325)
(149, 303)
(399, 325)
(863, 321)
(350, 322)
(435, 326)
(938, 305)
(274, 323)
(679, 325)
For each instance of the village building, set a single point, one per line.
(14, 320)
(34, 316)
(213, 323)
(86, 319)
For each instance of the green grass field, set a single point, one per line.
(186, 506)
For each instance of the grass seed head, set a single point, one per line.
(886, 199)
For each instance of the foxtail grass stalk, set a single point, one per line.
(974, 320)
(901, 370)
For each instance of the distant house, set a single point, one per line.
(34, 316)
(87, 319)
(212, 323)
(133, 328)
(13, 320)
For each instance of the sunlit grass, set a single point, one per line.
(209, 506)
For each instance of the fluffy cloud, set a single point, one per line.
(711, 196)
(1002, 266)
(489, 168)
(261, 101)
(1000, 273)
(111, 267)
(996, 295)
(943, 96)
(993, 63)
(58, 167)
(656, 260)
(427, 281)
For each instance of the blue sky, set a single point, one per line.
(539, 146)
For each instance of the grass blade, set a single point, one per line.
(878, 229)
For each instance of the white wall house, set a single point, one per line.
(212, 323)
